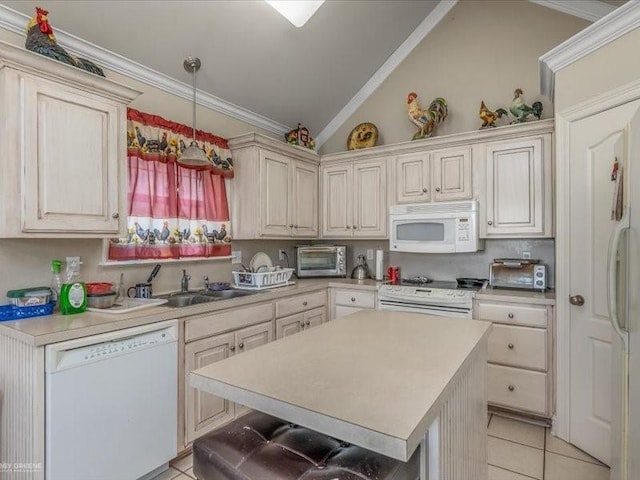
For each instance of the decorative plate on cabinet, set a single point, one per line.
(364, 135)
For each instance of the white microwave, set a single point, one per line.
(445, 227)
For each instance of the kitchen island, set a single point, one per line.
(386, 381)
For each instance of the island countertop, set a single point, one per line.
(375, 378)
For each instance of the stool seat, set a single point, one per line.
(257, 446)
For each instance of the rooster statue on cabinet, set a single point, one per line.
(426, 120)
(40, 39)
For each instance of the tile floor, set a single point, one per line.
(517, 451)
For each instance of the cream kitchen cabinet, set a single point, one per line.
(354, 199)
(439, 175)
(301, 312)
(63, 149)
(520, 355)
(274, 193)
(344, 301)
(518, 188)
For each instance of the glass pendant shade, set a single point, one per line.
(193, 156)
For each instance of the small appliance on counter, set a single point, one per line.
(321, 261)
(525, 274)
(361, 270)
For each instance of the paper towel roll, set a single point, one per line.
(379, 265)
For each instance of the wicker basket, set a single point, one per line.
(276, 278)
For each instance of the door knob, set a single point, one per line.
(576, 300)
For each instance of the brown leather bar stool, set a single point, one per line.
(260, 447)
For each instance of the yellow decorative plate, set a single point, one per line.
(364, 135)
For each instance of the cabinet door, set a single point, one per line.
(248, 339)
(204, 411)
(337, 206)
(451, 174)
(286, 326)
(304, 209)
(275, 194)
(518, 188)
(315, 317)
(71, 151)
(412, 178)
(370, 198)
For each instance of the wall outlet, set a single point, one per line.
(236, 256)
(282, 254)
(369, 253)
(526, 255)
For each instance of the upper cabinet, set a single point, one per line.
(439, 175)
(354, 199)
(274, 193)
(517, 200)
(63, 150)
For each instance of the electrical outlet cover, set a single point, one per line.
(370, 254)
(236, 256)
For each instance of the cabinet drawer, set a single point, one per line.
(356, 298)
(300, 303)
(232, 319)
(518, 346)
(535, 316)
(518, 389)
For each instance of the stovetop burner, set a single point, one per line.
(419, 280)
(459, 284)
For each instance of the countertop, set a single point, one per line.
(57, 328)
(548, 297)
(387, 412)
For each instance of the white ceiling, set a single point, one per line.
(251, 56)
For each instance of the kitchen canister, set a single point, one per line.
(380, 265)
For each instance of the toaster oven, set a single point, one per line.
(518, 273)
(321, 261)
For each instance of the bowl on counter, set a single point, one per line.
(96, 288)
(101, 300)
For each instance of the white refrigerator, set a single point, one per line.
(624, 312)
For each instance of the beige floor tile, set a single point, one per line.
(558, 467)
(519, 432)
(183, 464)
(516, 457)
(168, 474)
(496, 473)
(190, 473)
(556, 445)
(182, 476)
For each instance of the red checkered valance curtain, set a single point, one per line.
(173, 211)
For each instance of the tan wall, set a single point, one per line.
(607, 68)
(482, 50)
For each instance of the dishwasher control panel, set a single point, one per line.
(77, 352)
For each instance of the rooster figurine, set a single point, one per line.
(522, 111)
(40, 39)
(488, 117)
(426, 120)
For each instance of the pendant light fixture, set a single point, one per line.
(193, 156)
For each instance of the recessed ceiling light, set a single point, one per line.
(296, 11)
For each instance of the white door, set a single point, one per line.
(595, 142)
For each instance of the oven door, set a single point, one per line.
(422, 235)
(438, 310)
(319, 262)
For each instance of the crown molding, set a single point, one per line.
(16, 22)
(609, 28)
(396, 58)
(592, 10)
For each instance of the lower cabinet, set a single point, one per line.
(345, 301)
(301, 312)
(520, 375)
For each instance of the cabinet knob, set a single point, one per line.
(511, 388)
(437, 189)
(302, 323)
(304, 304)
(424, 190)
(307, 323)
(232, 348)
(348, 227)
(510, 315)
(577, 300)
(490, 222)
(241, 345)
(115, 215)
(510, 346)
(353, 299)
(295, 226)
(355, 227)
(291, 225)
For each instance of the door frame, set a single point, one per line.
(564, 119)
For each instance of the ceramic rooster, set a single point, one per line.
(488, 117)
(40, 39)
(522, 111)
(428, 119)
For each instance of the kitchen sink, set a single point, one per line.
(184, 299)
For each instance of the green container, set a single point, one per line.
(73, 298)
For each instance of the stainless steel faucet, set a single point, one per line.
(184, 283)
(206, 282)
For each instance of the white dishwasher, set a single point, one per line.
(111, 404)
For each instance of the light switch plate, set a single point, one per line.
(370, 254)
(236, 256)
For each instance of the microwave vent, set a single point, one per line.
(430, 208)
